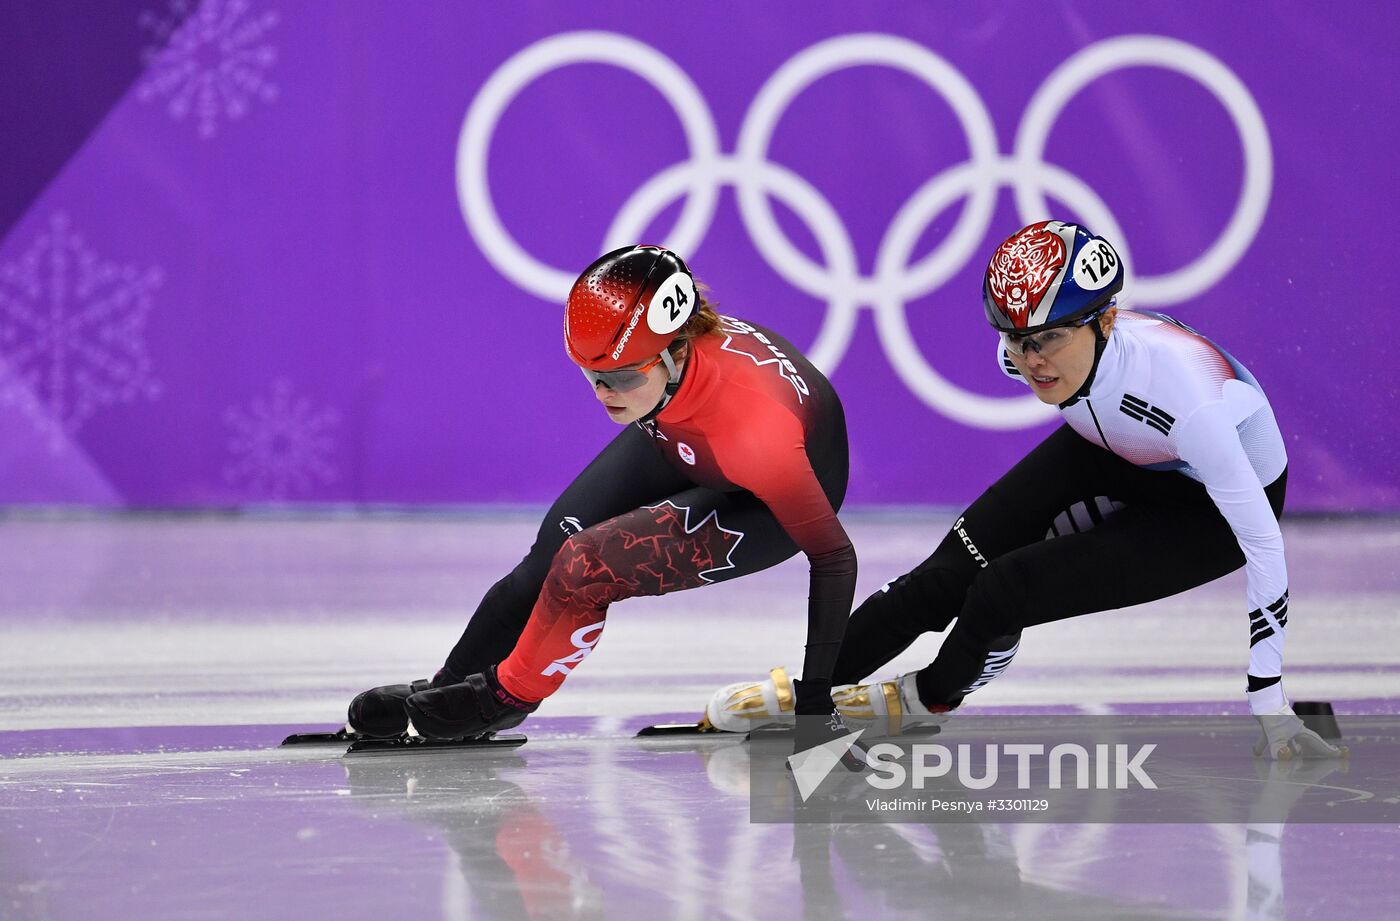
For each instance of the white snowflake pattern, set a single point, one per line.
(72, 332)
(281, 444)
(211, 58)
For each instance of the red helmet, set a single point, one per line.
(627, 307)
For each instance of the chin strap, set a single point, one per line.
(1100, 342)
(673, 384)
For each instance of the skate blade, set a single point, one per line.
(916, 731)
(339, 737)
(405, 743)
(702, 728)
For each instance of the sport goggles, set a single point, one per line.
(624, 380)
(1048, 341)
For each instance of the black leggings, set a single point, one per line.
(1119, 535)
(616, 487)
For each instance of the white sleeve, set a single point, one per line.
(1210, 443)
(1008, 367)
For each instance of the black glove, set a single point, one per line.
(813, 731)
(818, 722)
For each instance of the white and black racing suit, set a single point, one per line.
(1169, 473)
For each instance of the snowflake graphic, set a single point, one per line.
(72, 333)
(210, 58)
(281, 444)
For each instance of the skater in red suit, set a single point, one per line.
(733, 458)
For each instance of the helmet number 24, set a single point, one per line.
(669, 311)
(676, 304)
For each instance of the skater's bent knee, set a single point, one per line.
(580, 573)
(996, 604)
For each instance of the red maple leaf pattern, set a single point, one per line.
(649, 551)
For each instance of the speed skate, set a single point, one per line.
(357, 743)
(408, 743)
(885, 709)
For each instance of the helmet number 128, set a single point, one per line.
(1097, 262)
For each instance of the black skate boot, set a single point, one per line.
(474, 708)
(378, 713)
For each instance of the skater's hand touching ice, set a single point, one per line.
(1284, 737)
(818, 722)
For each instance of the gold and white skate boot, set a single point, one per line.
(887, 707)
(745, 705)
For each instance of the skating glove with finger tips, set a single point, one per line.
(1284, 737)
(818, 723)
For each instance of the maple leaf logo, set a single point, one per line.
(701, 550)
(651, 551)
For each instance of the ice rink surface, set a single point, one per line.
(150, 665)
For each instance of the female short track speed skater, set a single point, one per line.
(733, 459)
(1168, 473)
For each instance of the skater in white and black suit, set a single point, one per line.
(1169, 472)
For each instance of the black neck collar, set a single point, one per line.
(1100, 343)
(672, 386)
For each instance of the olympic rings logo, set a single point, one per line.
(894, 281)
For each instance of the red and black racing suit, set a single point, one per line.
(745, 466)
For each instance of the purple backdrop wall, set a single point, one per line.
(317, 251)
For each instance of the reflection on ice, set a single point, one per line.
(182, 807)
(577, 828)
